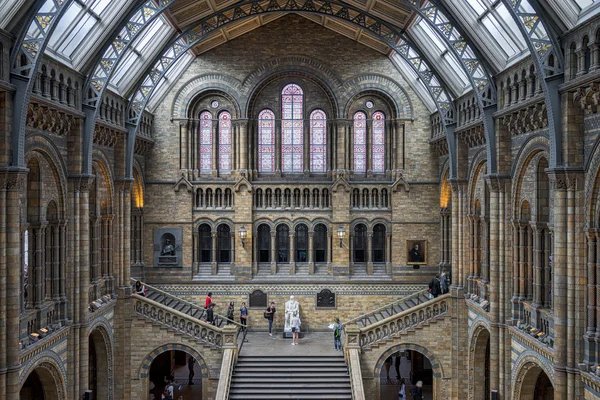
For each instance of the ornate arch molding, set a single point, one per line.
(103, 326)
(531, 149)
(38, 144)
(358, 221)
(227, 222)
(297, 65)
(102, 161)
(524, 364)
(592, 200)
(322, 221)
(300, 221)
(225, 84)
(263, 221)
(381, 85)
(202, 221)
(436, 365)
(279, 221)
(144, 368)
(478, 164)
(51, 363)
(479, 326)
(386, 223)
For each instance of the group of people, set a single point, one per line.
(438, 285)
(417, 390)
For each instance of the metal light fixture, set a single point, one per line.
(242, 233)
(341, 232)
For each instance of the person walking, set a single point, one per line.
(402, 391)
(295, 323)
(397, 364)
(210, 314)
(190, 364)
(434, 286)
(337, 335)
(417, 391)
(444, 282)
(271, 316)
(243, 315)
(230, 312)
(208, 300)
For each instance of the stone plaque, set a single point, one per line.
(325, 299)
(257, 299)
(167, 247)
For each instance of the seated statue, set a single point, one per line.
(292, 308)
(168, 250)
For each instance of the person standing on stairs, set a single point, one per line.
(243, 315)
(337, 335)
(402, 391)
(230, 311)
(295, 323)
(208, 300)
(140, 289)
(210, 314)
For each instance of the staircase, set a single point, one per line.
(285, 377)
(390, 309)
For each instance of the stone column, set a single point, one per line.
(456, 278)
(84, 279)
(369, 147)
(306, 147)
(213, 253)
(38, 268)
(329, 250)
(560, 284)
(183, 128)
(370, 252)
(215, 147)
(292, 255)
(243, 149)
(537, 266)
(63, 272)
(388, 253)
(589, 337)
(515, 269)
(597, 283)
(311, 263)
(580, 54)
(273, 252)
(11, 186)
(522, 264)
(56, 266)
(494, 283)
(278, 133)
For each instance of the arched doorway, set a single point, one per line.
(99, 365)
(412, 363)
(179, 364)
(480, 363)
(533, 383)
(43, 383)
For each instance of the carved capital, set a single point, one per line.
(82, 183)
(13, 179)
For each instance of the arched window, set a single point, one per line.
(320, 243)
(378, 148)
(379, 243)
(301, 243)
(205, 243)
(266, 141)
(283, 243)
(224, 244)
(264, 243)
(360, 142)
(360, 243)
(291, 129)
(224, 143)
(318, 141)
(206, 143)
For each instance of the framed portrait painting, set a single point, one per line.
(416, 252)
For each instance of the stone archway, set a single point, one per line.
(533, 383)
(144, 370)
(479, 364)
(100, 364)
(44, 381)
(439, 389)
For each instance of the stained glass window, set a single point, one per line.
(360, 142)
(205, 143)
(224, 143)
(318, 141)
(378, 148)
(291, 129)
(266, 141)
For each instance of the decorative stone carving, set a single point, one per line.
(325, 299)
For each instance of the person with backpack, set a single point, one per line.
(337, 335)
(401, 392)
(270, 316)
(434, 287)
(417, 391)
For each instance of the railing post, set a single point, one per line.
(229, 359)
(352, 355)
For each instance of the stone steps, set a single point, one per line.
(290, 377)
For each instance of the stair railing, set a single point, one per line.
(419, 296)
(387, 328)
(220, 320)
(183, 323)
(352, 357)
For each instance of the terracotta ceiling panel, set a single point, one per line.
(240, 28)
(211, 42)
(392, 14)
(374, 43)
(341, 27)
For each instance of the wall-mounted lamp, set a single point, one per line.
(341, 232)
(242, 233)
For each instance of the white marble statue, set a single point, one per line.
(292, 308)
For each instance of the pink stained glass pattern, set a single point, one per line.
(224, 143)
(360, 142)
(205, 143)
(266, 141)
(378, 149)
(292, 125)
(318, 141)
